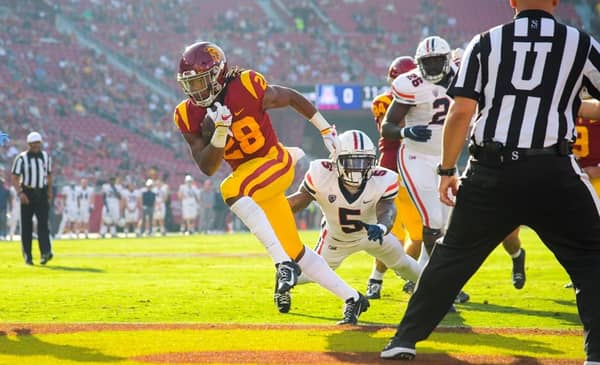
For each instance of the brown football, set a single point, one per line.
(208, 128)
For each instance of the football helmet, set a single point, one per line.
(202, 71)
(433, 58)
(356, 158)
(399, 66)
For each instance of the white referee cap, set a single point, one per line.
(34, 137)
(149, 182)
(188, 178)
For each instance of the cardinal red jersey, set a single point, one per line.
(587, 146)
(252, 132)
(387, 147)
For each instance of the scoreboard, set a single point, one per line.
(346, 97)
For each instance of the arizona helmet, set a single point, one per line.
(356, 158)
(202, 71)
(433, 58)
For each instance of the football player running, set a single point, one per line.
(408, 220)
(357, 201)
(225, 118)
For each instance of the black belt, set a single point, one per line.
(495, 154)
(30, 188)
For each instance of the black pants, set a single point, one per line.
(545, 193)
(38, 205)
(147, 216)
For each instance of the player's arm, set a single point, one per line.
(300, 200)
(590, 109)
(393, 120)
(207, 156)
(386, 213)
(279, 96)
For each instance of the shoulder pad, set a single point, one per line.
(254, 83)
(411, 88)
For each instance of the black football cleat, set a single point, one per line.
(353, 309)
(374, 289)
(518, 271)
(287, 276)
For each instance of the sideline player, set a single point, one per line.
(408, 222)
(131, 209)
(161, 188)
(262, 168)
(188, 195)
(111, 210)
(357, 201)
(85, 199)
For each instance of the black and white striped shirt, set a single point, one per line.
(33, 168)
(526, 76)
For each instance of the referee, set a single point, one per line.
(525, 78)
(31, 173)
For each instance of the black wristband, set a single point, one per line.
(446, 172)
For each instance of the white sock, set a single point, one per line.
(375, 274)
(315, 268)
(423, 257)
(113, 230)
(516, 254)
(255, 219)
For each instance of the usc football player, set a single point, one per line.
(587, 145)
(225, 118)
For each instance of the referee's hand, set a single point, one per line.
(448, 183)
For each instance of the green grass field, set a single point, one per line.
(228, 279)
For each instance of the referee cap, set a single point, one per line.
(34, 137)
(189, 178)
(149, 182)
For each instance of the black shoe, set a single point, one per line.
(569, 285)
(462, 297)
(409, 287)
(287, 276)
(29, 262)
(46, 258)
(396, 351)
(518, 271)
(283, 301)
(374, 289)
(452, 309)
(353, 309)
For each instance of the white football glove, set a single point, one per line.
(221, 116)
(331, 140)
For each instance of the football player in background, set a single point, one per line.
(160, 209)
(85, 200)
(131, 209)
(587, 145)
(408, 221)
(357, 199)
(70, 211)
(111, 210)
(225, 118)
(188, 195)
(15, 213)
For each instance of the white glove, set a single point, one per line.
(331, 140)
(221, 116)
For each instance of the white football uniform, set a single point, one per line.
(343, 233)
(111, 212)
(417, 161)
(15, 213)
(189, 202)
(83, 196)
(71, 209)
(161, 198)
(132, 211)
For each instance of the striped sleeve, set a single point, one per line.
(391, 191)
(591, 71)
(467, 82)
(48, 161)
(17, 167)
(309, 185)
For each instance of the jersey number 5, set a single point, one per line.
(247, 138)
(350, 225)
